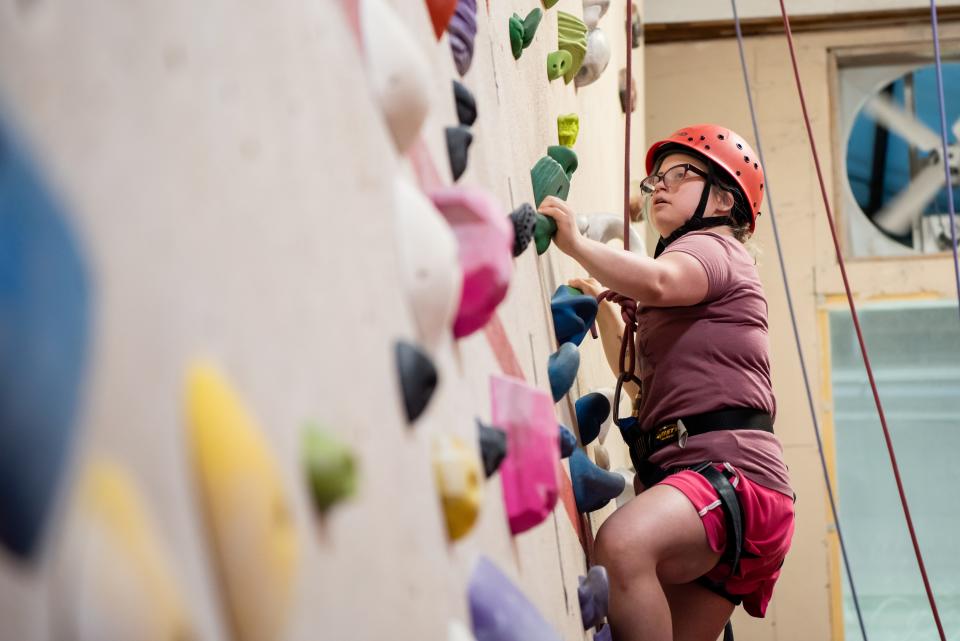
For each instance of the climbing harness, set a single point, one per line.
(856, 324)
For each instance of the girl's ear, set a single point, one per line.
(725, 201)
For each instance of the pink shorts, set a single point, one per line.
(768, 529)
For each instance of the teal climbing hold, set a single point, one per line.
(516, 36)
(549, 179)
(557, 64)
(592, 410)
(543, 232)
(593, 487)
(573, 314)
(572, 37)
(568, 442)
(562, 369)
(530, 24)
(565, 157)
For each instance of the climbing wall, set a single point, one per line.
(222, 207)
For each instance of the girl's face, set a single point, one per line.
(673, 205)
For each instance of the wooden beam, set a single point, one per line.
(662, 32)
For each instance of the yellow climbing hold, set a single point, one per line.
(249, 521)
(568, 126)
(460, 483)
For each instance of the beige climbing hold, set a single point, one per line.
(460, 483)
(601, 457)
(251, 529)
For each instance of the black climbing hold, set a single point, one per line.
(493, 447)
(466, 105)
(568, 442)
(418, 378)
(592, 410)
(458, 142)
(524, 220)
(593, 487)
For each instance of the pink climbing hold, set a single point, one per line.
(485, 240)
(529, 473)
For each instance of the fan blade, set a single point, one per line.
(905, 125)
(898, 216)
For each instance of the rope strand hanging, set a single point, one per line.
(856, 324)
(793, 322)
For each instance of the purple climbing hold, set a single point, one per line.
(594, 594)
(593, 487)
(463, 31)
(568, 442)
(418, 378)
(500, 612)
(604, 634)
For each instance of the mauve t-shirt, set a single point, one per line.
(710, 356)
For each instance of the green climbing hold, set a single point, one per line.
(549, 179)
(543, 232)
(330, 466)
(516, 36)
(568, 126)
(557, 64)
(566, 157)
(530, 24)
(572, 37)
(549, 3)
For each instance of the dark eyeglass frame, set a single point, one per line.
(649, 184)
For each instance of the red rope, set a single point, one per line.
(856, 325)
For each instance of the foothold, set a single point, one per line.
(565, 157)
(530, 24)
(463, 31)
(601, 456)
(594, 595)
(593, 487)
(330, 466)
(524, 220)
(549, 179)
(466, 104)
(114, 579)
(457, 474)
(628, 490)
(530, 470)
(429, 267)
(493, 447)
(499, 611)
(596, 60)
(604, 634)
(593, 10)
(572, 38)
(45, 325)
(568, 442)
(636, 28)
(573, 315)
(250, 522)
(568, 126)
(606, 227)
(418, 378)
(592, 410)
(398, 69)
(544, 232)
(515, 27)
(623, 92)
(549, 3)
(562, 370)
(485, 240)
(557, 64)
(458, 144)
(440, 13)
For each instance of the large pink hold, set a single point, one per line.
(485, 240)
(530, 471)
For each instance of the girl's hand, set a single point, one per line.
(568, 236)
(589, 286)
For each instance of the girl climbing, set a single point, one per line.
(713, 517)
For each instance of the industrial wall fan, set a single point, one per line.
(895, 200)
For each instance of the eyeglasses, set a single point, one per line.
(671, 178)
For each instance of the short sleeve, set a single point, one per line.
(714, 254)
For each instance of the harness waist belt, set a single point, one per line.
(740, 418)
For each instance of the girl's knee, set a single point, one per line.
(623, 551)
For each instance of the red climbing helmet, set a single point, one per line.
(729, 151)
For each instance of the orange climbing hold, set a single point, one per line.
(440, 13)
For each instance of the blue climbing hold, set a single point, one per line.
(593, 487)
(501, 612)
(593, 592)
(568, 442)
(44, 331)
(592, 410)
(562, 369)
(573, 314)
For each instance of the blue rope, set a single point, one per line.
(943, 140)
(793, 321)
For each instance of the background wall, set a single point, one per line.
(231, 181)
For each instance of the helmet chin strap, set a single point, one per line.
(697, 221)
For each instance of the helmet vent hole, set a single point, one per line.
(690, 139)
(756, 166)
(761, 185)
(746, 159)
(739, 146)
(738, 172)
(720, 136)
(703, 137)
(706, 146)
